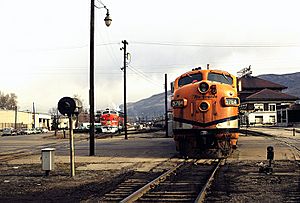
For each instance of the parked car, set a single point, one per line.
(26, 131)
(9, 131)
(81, 129)
(34, 131)
(38, 130)
(45, 130)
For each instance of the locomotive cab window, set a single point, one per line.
(188, 79)
(216, 77)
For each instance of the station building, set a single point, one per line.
(261, 100)
(23, 119)
(289, 115)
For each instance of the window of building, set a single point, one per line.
(266, 107)
(283, 116)
(250, 106)
(259, 119)
(258, 107)
(272, 119)
(272, 107)
(278, 116)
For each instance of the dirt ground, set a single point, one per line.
(25, 184)
(240, 181)
(237, 181)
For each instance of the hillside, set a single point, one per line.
(148, 108)
(291, 80)
(154, 106)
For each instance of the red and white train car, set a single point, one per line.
(111, 120)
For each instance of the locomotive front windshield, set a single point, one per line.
(189, 79)
(216, 77)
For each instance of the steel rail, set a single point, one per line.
(140, 192)
(203, 192)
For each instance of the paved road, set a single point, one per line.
(13, 144)
(282, 136)
(140, 150)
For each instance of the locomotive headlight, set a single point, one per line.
(204, 106)
(231, 101)
(203, 87)
(179, 103)
(213, 89)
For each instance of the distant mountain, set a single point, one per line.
(291, 80)
(148, 108)
(154, 106)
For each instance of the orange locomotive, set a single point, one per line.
(205, 112)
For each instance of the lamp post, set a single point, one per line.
(107, 21)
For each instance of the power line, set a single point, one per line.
(68, 47)
(216, 45)
(176, 44)
(101, 2)
(140, 73)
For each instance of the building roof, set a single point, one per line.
(250, 83)
(270, 95)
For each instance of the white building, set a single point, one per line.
(24, 119)
(260, 100)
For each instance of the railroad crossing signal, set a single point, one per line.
(70, 106)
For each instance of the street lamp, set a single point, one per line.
(107, 18)
(107, 21)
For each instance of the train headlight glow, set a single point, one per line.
(179, 103)
(231, 101)
(204, 106)
(203, 87)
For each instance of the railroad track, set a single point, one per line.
(186, 182)
(290, 142)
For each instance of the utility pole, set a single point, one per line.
(107, 21)
(16, 116)
(92, 104)
(124, 69)
(166, 106)
(33, 109)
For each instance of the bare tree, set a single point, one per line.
(8, 101)
(77, 115)
(55, 117)
(52, 111)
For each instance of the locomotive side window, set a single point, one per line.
(189, 79)
(220, 78)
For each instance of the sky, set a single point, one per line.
(44, 45)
